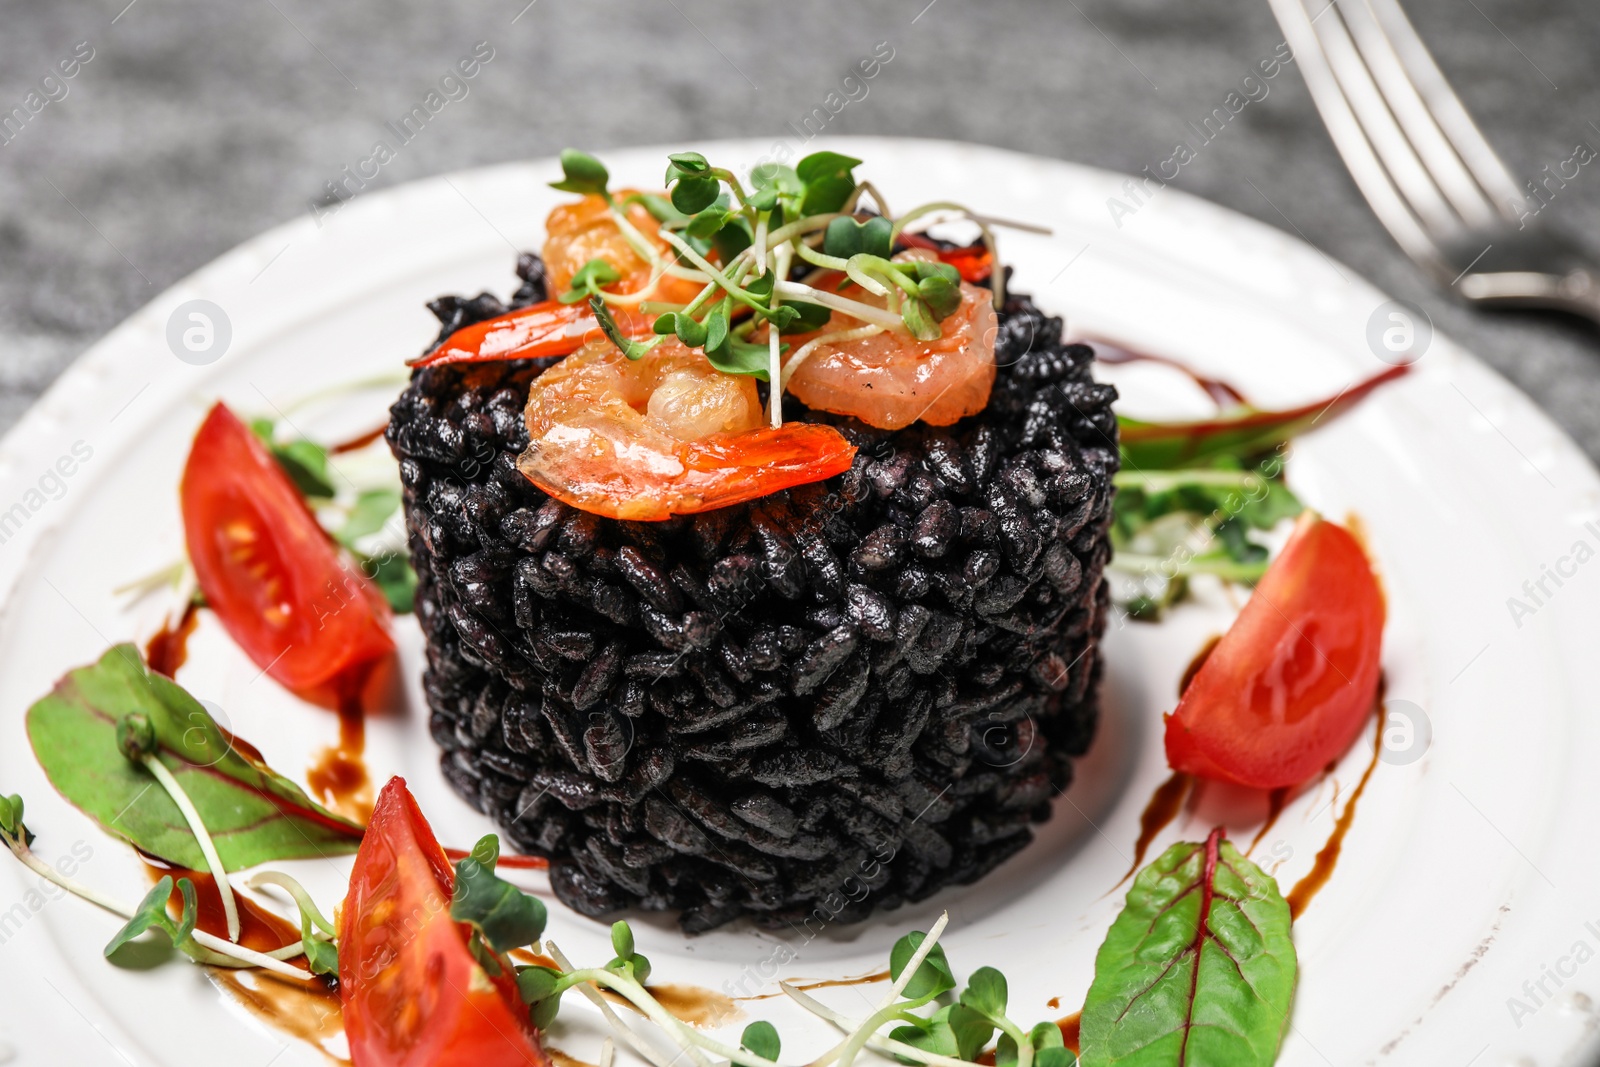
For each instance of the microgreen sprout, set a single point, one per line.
(740, 243)
(151, 912)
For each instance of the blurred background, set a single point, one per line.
(189, 126)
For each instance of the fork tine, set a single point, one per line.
(1428, 139)
(1399, 156)
(1369, 174)
(1446, 108)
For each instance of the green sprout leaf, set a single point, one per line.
(933, 1035)
(761, 1038)
(828, 181)
(686, 165)
(660, 208)
(939, 285)
(1045, 1035)
(582, 173)
(734, 237)
(1059, 1056)
(622, 939)
(846, 237)
(919, 319)
(684, 326)
(630, 348)
(986, 992)
(971, 1030)
(1199, 967)
(504, 915)
(738, 357)
(692, 195)
(254, 814)
(932, 978)
(10, 815)
(808, 317)
(152, 915)
(321, 956)
(589, 280)
(537, 986)
(487, 850)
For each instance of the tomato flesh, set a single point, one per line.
(412, 994)
(1292, 682)
(269, 571)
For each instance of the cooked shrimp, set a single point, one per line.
(585, 229)
(889, 379)
(664, 435)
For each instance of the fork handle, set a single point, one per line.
(1577, 291)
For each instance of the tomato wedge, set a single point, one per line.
(548, 329)
(412, 994)
(1291, 683)
(270, 572)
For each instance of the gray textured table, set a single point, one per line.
(196, 125)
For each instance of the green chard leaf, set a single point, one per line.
(152, 915)
(1244, 432)
(581, 173)
(761, 1038)
(254, 814)
(828, 181)
(1199, 967)
(504, 915)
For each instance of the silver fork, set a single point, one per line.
(1422, 163)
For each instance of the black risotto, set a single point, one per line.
(830, 700)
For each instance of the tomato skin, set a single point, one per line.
(270, 572)
(1291, 684)
(412, 994)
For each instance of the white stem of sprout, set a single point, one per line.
(998, 278)
(302, 899)
(626, 1032)
(759, 245)
(247, 956)
(809, 224)
(855, 198)
(845, 1052)
(647, 251)
(208, 849)
(704, 264)
(775, 372)
(837, 337)
(878, 1043)
(1161, 481)
(608, 1052)
(856, 269)
(835, 302)
(811, 255)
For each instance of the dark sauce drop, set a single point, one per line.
(829, 983)
(307, 1010)
(1328, 858)
(168, 649)
(339, 777)
(1071, 1025)
(1159, 811)
(359, 441)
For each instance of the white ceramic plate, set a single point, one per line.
(1462, 922)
